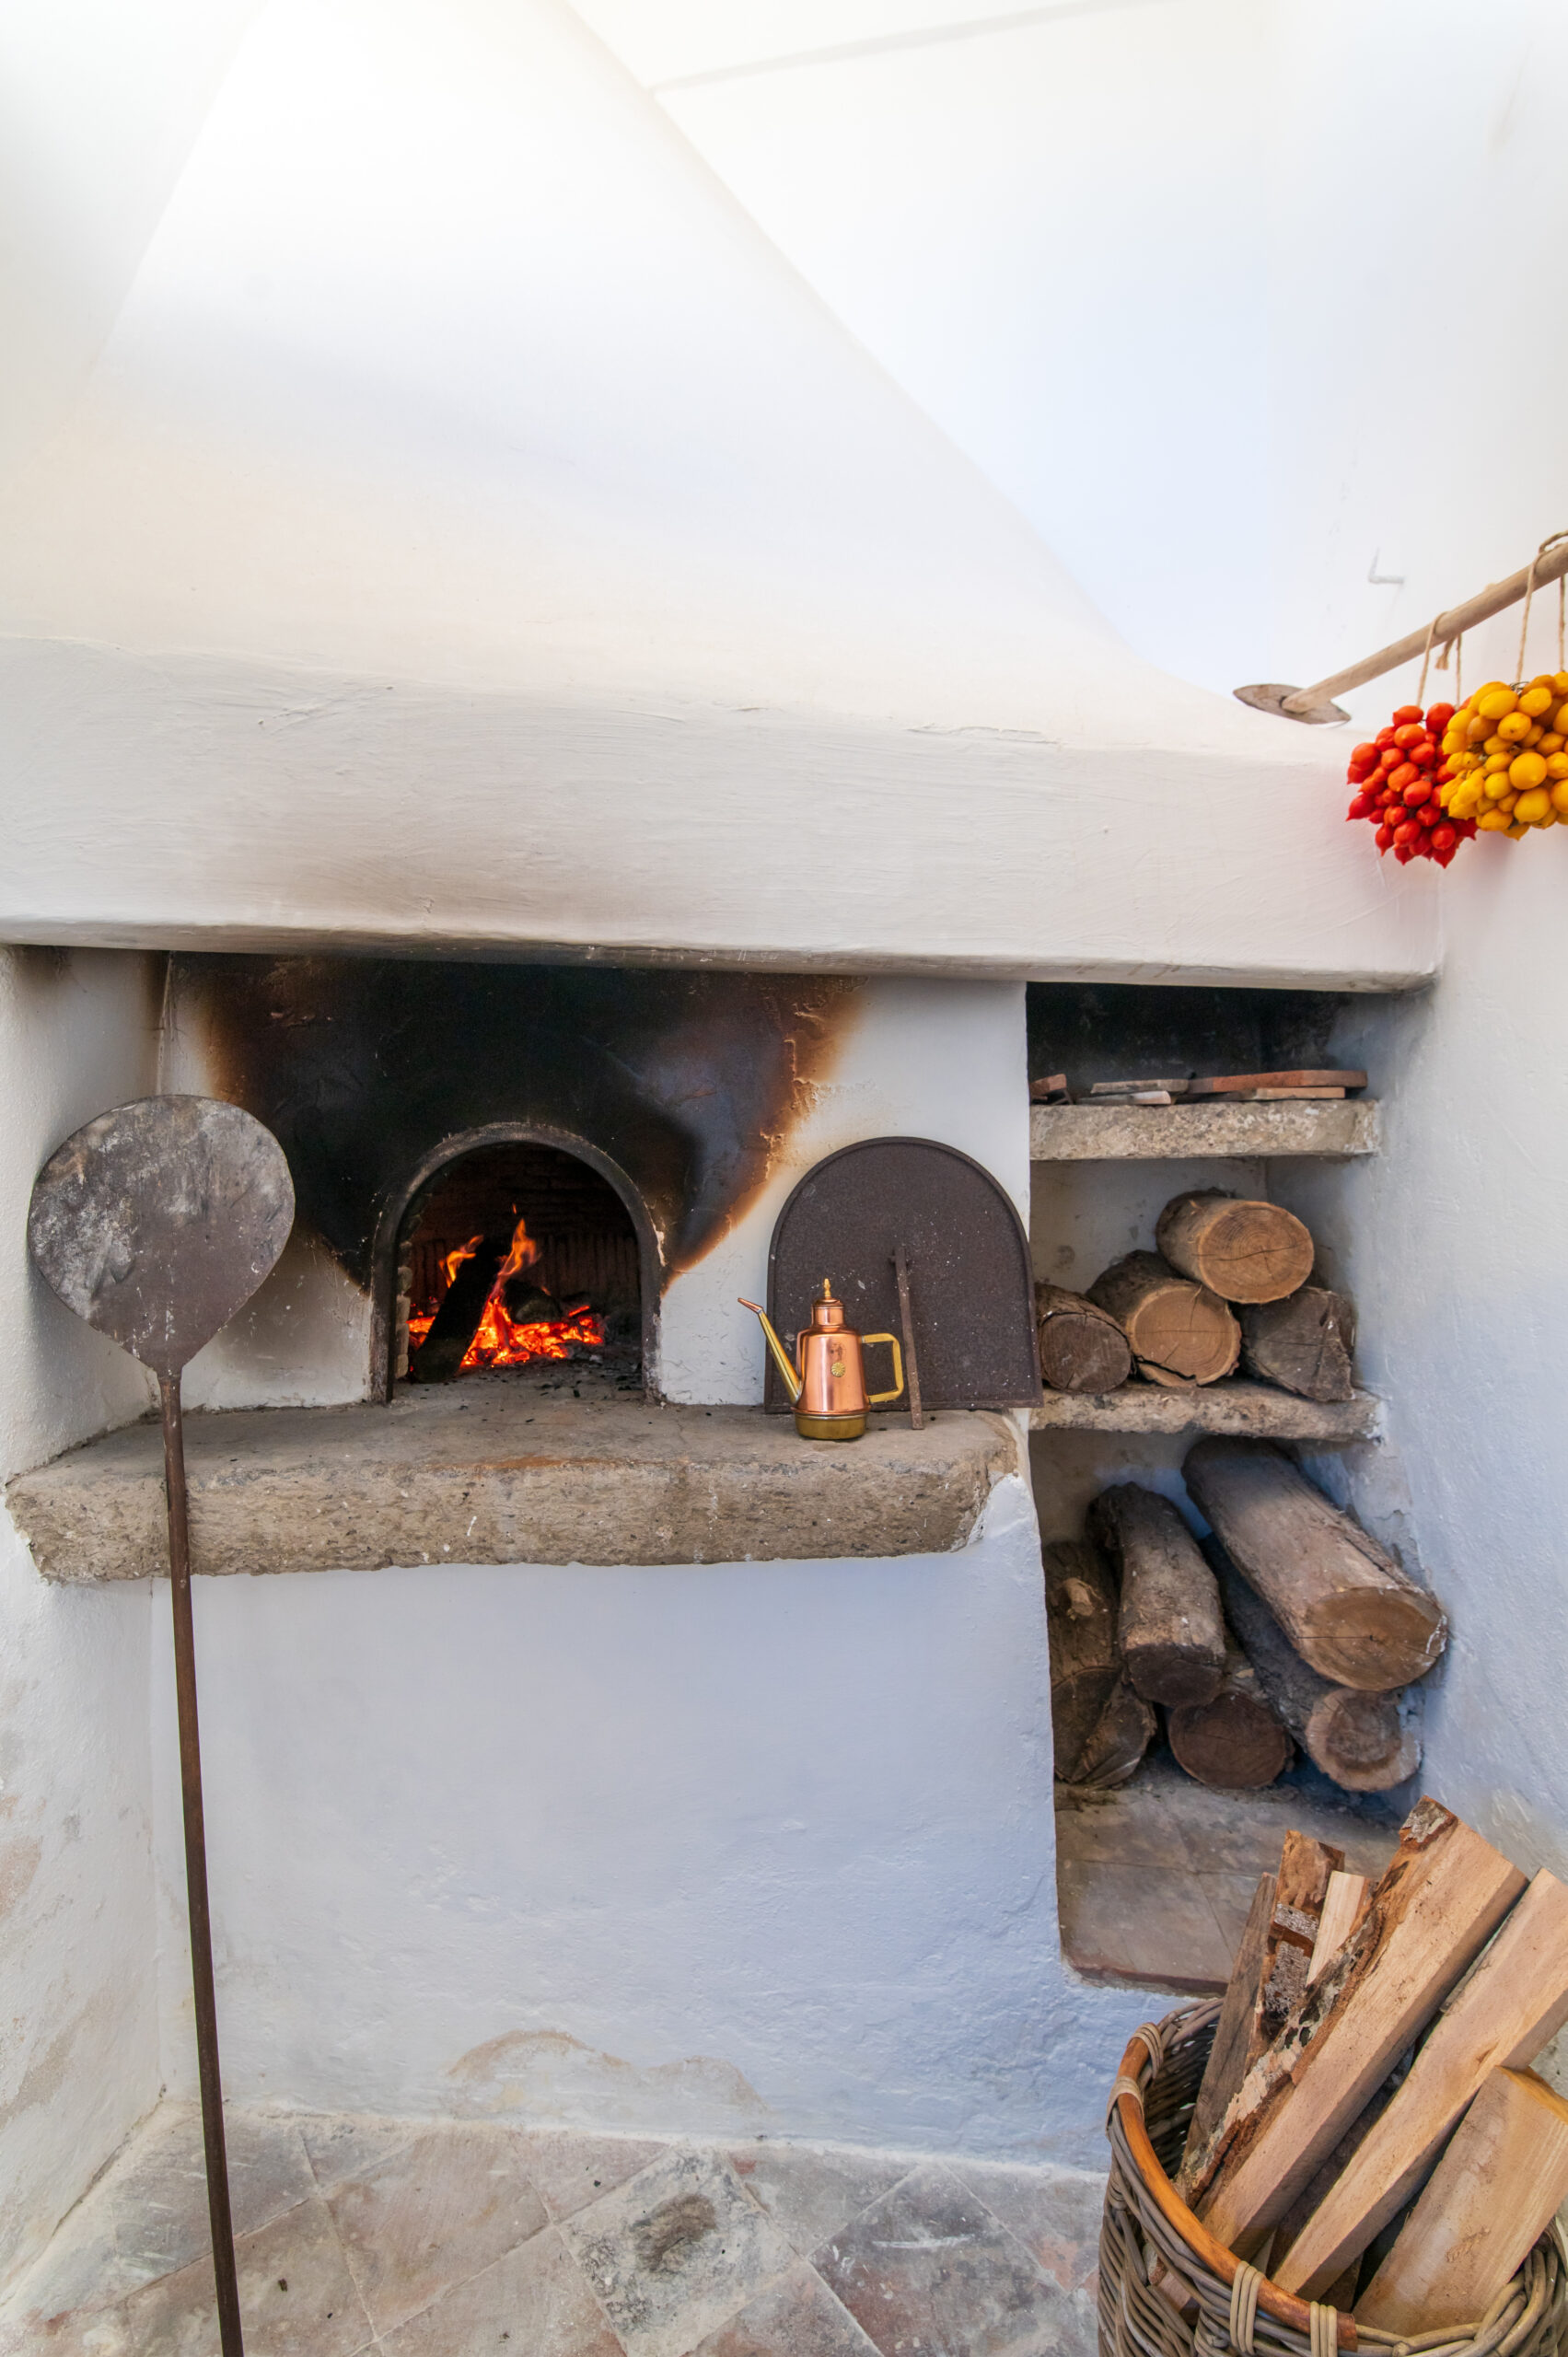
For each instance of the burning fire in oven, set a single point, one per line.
(520, 1322)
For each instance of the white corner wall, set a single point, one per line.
(78, 1956)
(1225, 374)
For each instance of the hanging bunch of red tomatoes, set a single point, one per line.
(1396, 780)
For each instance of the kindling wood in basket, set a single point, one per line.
(1209, 2301)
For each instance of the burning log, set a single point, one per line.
(446, 1343)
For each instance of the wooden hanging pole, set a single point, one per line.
(1317, 703)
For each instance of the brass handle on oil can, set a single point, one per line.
(878, 1398)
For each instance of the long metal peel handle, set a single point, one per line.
(876, 1398)
(218, 2209)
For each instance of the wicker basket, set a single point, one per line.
(1228, 2306)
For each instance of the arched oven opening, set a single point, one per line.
(520, 1258)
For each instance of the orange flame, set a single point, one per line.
(499, 1340)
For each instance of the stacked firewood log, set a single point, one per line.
(1229, 1284)
(1287, 1622)
(1369, 2132)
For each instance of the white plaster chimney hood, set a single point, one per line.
(475, 538)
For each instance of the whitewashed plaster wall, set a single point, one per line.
(745, 1848)
(760, 1848)
(78, 1948)
(465, 467)
(922, 1059)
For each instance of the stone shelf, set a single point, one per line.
(1181, 1133)
(1253, 1411)
(490, 1472)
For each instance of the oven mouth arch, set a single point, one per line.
(453, 1148)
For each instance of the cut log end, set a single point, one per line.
(1245, 1251)
(1181, 1333)
(1361, 1740)
(1122, 1734)
(1082, 1348)
(1234, 1742)
(1303, 1343)
(1374, 1639)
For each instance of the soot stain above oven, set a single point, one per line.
(691, 1082)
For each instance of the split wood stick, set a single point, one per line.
(1082, 1348)
(1181, 1333)
(1346, 1903)
(1306, 1868)
(1515, 2001)
(1440, 633)
(1123, 1731)
(1444, 1893)
(1342, 1599)
(1495, 2189)
(1226, 2065)
(1369, 1743)
(1234, 1742)
(1170, 1628)
(1085, 1663)
(1242, 1250)
(1303, 1343)
(1175, 2289)
(1289, 1935)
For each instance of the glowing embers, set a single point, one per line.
(519, 1321)
(518, 1257)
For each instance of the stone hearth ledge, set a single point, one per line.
(501, 1476)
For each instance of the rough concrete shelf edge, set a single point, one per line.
(1253, 1411)
(1185, 1133)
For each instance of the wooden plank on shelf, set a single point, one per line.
(1186, 1131)
(1237, 1083)
(1238, 1407)
(1495, 2189)
(1443, 1896)
(1513, 2002)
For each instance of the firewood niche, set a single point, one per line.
(1257, 1648)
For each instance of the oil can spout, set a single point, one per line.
(781, 1356)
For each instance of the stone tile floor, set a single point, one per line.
(1154, 1881)
(439, 2239)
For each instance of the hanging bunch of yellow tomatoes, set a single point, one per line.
(1505, 756)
